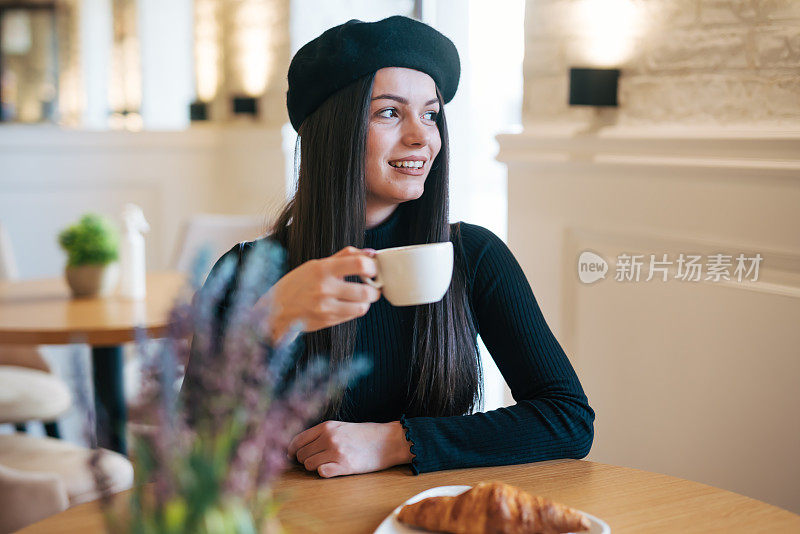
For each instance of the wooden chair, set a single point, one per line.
(218, 232)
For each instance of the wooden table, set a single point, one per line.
(629, 500)
(42, 312)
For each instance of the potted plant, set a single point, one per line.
(206, 459)
(92, 246)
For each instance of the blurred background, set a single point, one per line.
(680, 135)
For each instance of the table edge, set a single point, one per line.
(95, 336)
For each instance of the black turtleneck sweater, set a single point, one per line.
(551, 418)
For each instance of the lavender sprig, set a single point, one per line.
(224, 439)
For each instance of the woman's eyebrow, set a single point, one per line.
(401, 99)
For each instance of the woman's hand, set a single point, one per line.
(334, 448)
(317, 294)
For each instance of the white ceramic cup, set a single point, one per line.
(415, 274)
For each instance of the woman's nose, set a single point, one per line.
(416, 133)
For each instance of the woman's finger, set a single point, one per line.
(331, 469)
(310, 449)
(349, 251)
(313, 462)
(304, 438)
(357, 264)
(346, 251)
(342, 310)
(354, 292)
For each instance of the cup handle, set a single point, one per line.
(377, 283)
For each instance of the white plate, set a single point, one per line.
(391, 525)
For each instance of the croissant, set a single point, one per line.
(493, 508)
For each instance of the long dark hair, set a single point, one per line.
(328, 213)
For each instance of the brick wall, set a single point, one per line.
(272, 105)
(691, 61)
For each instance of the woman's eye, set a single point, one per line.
(392, 112)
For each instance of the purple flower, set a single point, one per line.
(227, 435)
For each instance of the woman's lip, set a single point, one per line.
(409, 170)
(412, 158)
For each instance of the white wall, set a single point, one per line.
(51, 176)
(95, 49)
(166, 37)
(309, 18)
(693, 379)
(696, 380)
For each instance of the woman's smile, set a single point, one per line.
(414, 166)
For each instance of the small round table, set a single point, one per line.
(629, 500)
(42, 312)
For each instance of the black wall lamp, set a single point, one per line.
(198, 111)
(593, 87)
(245, 105)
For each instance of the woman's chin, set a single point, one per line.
(409, 195)
(404, 194)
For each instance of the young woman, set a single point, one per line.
(364, 98)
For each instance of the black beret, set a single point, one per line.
(354, 49)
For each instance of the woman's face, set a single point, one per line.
(403, 139)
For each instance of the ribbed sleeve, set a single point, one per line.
(551, 417)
